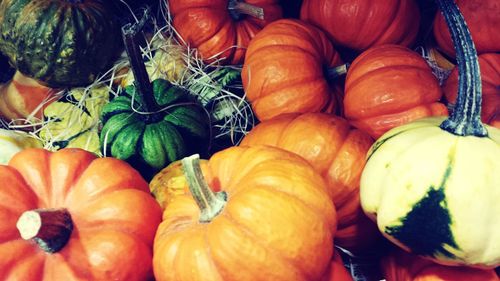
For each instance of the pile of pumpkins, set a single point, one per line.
(385, 161)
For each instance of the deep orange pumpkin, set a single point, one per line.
(482, 18)
(398, 265)
(337, 151)
(272, 220)
(388, 86)
(22, 96)
(361, 24)
(209, 26)
(336, 271)
(114, 218)
(489, 65)
(284, 70)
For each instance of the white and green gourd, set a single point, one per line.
(12, 142)
(433, 186)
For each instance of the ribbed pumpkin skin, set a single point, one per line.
(284, 69)
(388, 86)
(276, 224)
(401, 266)
(361, 24)
(60, 43)
(114, 217)
(208, 26)
(482, 18)
(490, 80)
(152, 145)
(436, 193)
(337, 151)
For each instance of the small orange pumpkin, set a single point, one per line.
(271, 220)
(337, 151)
(388, 86)
(68, 215)
(285, 70)
(218, 30)
(399, 265)
(490, 80)
(337, 271)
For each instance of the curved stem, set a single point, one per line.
(130, 33)
(210, 203)
(465, 119)
(49, 228)
(237, 9)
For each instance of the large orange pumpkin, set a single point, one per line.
(490, 80)
(65, 216)
(285, 69)
(271, 220)
(360, 24)
(220, 33)
(482, 18)
(23, 96)
(398, 265)
(337, 151)
(388, 86)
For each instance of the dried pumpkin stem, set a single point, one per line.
(333, 73)
(238, 8)
(49, 228)
(465, 119)
(130, 33)
(210, 203)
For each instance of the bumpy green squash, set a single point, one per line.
(433, 185)
(62, 43)
(150, 142)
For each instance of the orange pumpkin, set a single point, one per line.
(337, 151)
(285, 70)
(398, 265)
(361, 24)
(22, 96)
(271, 220)
(482, 18)
(219, 31)
(65, 216)
(388, 86)
(490, 79)
(336, 271)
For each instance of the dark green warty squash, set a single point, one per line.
(150, 142)
(62, 43)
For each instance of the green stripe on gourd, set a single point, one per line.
(432, 185)
(153, 124)
(61, 43)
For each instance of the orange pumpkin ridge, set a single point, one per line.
(219, 32)
(108, 219)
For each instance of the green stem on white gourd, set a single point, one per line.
(49, 228)
(130, 33)
(238, 8)
(465, 119)
(210, 203)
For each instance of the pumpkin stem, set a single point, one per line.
(238, 8)
(130, 33)
(465, 119)
(49, 228)
(332, 73)
(210, 203)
